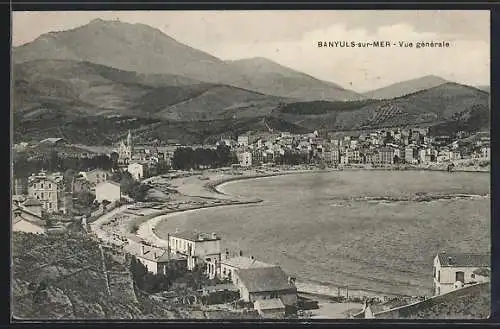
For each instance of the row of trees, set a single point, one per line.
(293, 158)
(153, 283)
(130, 186)
(23, 166)
(187, 158)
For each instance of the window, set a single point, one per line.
(42, 195)
(472, 275)
(439, 276)
(50, 205)
(460, 276)
(48, 194)
(41, 185)
(50, 185)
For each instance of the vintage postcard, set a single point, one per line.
(249, 165)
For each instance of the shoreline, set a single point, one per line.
(146, 230)
(214, 186)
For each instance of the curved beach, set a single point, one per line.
(229, 195)
(441, 201)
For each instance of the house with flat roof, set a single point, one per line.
(270, 308)
(456, 270)
(198, 248)
(155, 259)
(229, 266)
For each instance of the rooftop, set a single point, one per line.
(269, 304)
(220, 287)
(150, 253)
(464, 260)
(109, 182)
(264, 279)
(196, 237)
(32, 202)
(242, 262)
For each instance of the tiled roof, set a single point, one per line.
(264, 279)
(32, 202)
(193, 236)
(149, 252)
(269, 304)
(109, 182)
(464, 260)
(220, 287)
(241, 262)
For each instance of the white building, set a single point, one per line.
(153, 258)
(108, 190)
(242, 140)
(48, 190)
(136, 170)
(197, 248)
(270, 308)
(452, 270)
(245, 159)
(422, 156)
(229, 266)
(265, 283)
(485, 152)
(96, 176)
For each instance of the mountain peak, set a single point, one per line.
(402, 88)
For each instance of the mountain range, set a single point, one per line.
(110, 68)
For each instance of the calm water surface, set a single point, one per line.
(318, 227)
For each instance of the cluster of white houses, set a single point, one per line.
(383, 147)
(267, 286)
(55, 194)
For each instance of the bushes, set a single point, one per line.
(153, 283)
(130, 186)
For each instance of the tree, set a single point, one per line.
(84, 199)
(114, 159)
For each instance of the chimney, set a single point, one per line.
(214, 236)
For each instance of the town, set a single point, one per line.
(95, 189)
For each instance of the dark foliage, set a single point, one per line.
(187, 158)
(24, 166)
(153, 283)
(130, 186)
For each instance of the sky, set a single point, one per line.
(290, 38)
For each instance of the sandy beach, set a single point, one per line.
(196, 193)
